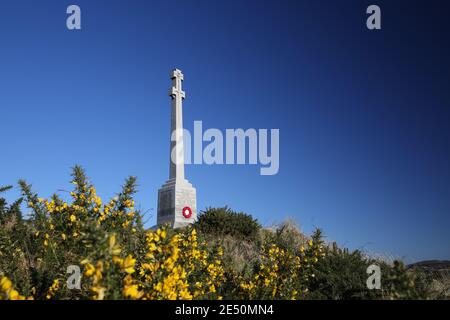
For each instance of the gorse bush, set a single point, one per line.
(119, 259)
(224, 221)
(225, 254)
(283, 273)
(15, 238)
(342, 274)
(400, 283)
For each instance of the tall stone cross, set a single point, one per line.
(176, 127)
(177, 202)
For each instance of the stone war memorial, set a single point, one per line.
(177, 204)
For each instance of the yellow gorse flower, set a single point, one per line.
(113, 247)
(5, 284)
(128, 264)
(53, 289)
(132, 292)
(89, 270)
(98, 292)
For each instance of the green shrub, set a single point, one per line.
(401, 283)
(224, 222)
(15, 239)
(342, 274)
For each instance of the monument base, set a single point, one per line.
(177, 203)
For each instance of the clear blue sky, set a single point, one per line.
(363, 116)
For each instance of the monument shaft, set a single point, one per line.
(177, 203)
(176, 128)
